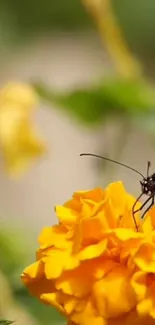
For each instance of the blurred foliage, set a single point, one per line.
(6, 322)
(15, 255)
(137, 21)
(109, 98)
(112, 37)
(21, 20)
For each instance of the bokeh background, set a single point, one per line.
(92, 64)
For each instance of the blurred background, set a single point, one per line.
(91, 62)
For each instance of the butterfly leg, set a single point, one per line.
(133, 212)
(133, 208)
(149, 207)
(143, 205)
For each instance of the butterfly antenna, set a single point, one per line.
(114, 161)
(148, 167)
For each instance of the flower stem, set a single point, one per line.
(111, 35)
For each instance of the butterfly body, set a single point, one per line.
(148, 185)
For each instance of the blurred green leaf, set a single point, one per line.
(21, 21)
(43, 313)
(15, 255)
(107, 98)
(6, 322)
(15, 252)
(85, 104)
(146, 122)
(131, 95)
(136, 20)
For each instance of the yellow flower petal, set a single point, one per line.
(144, 307)
(145, 257)
(55, 299)
(92, 229)
(33, 271)
(143, 284)
(131, 318)
(65, 215)
(58, 261)
(56, 236)
(70, 305)
(19, 141)
(103, 267)
(86, 208)
(93, 251)
(114, 288)
(94, 266)
(18, 93)
(96, 195)
(151, 215)
(152, 312)
(147, 226)
(125, 234)
(88, 315)
(76, 283)
(139, 284)
(34, 278)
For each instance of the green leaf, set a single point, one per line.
(15, 253)
(132, 95)
(43, 313)
(108, 98)
(6, 322)
(87, 105)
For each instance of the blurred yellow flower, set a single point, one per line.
(94, 267)
(19, 141)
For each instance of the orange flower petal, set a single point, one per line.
(96, 195)
(91, 229)
(55, 299)
(88, 316)
(94, 266)
(76, 282)
(139, 284)
(118, 285)
(34, 270)
(151, 214)
(34, 278)
(102, 267)
(144, 307)
(93, 251)
(57, 262)
(56, 236)
(125, 234)
(65, 215)
(145, 257)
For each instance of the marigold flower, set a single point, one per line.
(94, 267)
(19, 141)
